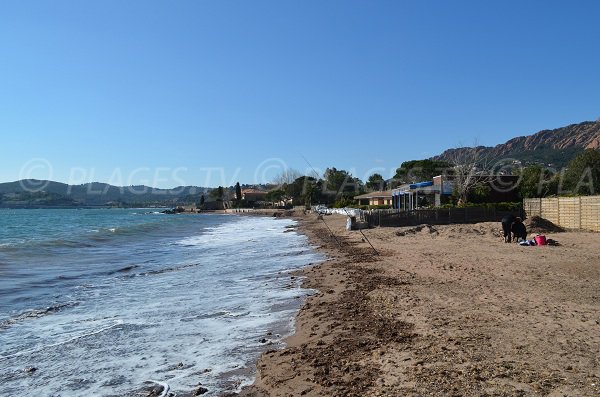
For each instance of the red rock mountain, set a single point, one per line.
(557, 146)
(585, 135)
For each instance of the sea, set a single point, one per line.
(105, 302)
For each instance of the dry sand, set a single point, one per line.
(442, 311)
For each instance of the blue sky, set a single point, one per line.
(212, 92)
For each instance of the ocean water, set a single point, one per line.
(103, 302)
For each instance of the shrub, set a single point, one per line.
(503, 206)
(378, 207)
(343, 202)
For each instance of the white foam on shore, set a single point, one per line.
(201, 322)
(66, 338)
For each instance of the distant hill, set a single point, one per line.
(39, 193)
(548, 147)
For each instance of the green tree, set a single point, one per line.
(275, 196)
(200, 203)
(217, 193)
(340, 184)
(536, 181)
(295, 188)
(420, 170)
(376, 182)
(302, 190)
(310, 193)
(582, 176)
(238, 191)
(481, 192)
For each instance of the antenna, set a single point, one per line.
(310, 165)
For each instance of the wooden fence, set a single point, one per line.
(569, 212)
(439, 216)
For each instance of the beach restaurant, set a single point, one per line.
(412, 196)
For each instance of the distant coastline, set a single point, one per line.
(73, 207)
(34, 193)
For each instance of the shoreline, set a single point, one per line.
(329, 283)
(224, 286)
(443, 310)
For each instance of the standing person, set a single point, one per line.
(507, 222)
(518, 229)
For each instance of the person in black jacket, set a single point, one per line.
(507, 222)
(519, 230)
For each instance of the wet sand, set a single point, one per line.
(443, 311)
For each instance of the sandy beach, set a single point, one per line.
(442, 311)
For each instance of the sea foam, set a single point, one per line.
(187, 303)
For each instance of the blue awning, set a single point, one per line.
(421, 184)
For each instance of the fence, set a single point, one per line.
(568, 212)
(438, 216)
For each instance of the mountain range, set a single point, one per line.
(40, 193)
(554, 148)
